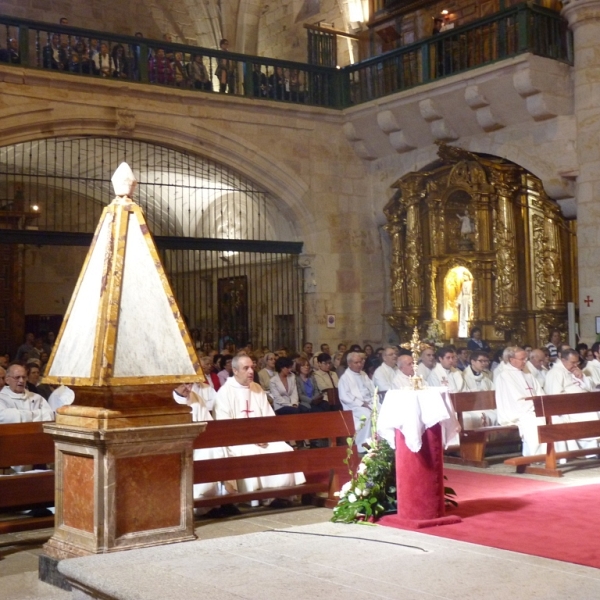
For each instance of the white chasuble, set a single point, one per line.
(235, 401)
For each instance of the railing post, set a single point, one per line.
(24, 45)
(425, 62)
(523, 29)
(248, 83)
(143, 66)
(342, 86)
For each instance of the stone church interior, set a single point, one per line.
(326, 173)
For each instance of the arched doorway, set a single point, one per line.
(227, 246)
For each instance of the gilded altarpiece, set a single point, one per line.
(477, 242)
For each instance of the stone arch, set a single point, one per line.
(247, 158)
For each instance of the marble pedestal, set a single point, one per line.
(124, 480)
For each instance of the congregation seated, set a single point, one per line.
(17, 404)
(384, 375)
(311, 398)
(10, 54)
(537, 367)
(566, 377)
(445, 374)
(405, 370)
(267, 373)
(241, 398)
(514, 387)
(284, 390)
(356, 394)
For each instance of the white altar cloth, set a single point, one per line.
(414, 411)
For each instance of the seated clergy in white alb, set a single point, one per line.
(402, 379)
(513, 388)
(17, 404)
(384, 374)
(445, 374)
(241, 398)
(477, 378)
(356, 394)
(201, 398)
(592, 368)
(565, 377)
(535, 366)
(426, 364)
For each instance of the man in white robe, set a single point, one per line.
(241, 398)
(402, 379)
(513, 388)
(535, 366)
(384, 375)
(592, 369)
(201, 404)
(19, 405)
(356, 394)
(566, 377)
(427, 363)
(477, 378)
(444, 373)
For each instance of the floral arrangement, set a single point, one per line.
(435, 333)
(371, 491)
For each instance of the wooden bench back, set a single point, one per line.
(25, 444)
(234, 432)
(469, 401)
(566, 404)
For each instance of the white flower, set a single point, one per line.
(351, 498)
(362, 468)
(337, 494)
(346, 487)
(365, 492)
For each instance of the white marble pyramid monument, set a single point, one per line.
(123, 326)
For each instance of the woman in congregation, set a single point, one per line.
(284, 390)
(308, 391)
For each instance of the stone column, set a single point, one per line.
(584, 20)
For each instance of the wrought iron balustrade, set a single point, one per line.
(82, 52)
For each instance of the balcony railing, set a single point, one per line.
(86, 53)
(519, 29)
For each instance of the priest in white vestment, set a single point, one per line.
(200, 397)
(402, 379)
(384, 374)
(19, 405)
(592, 369)
(477, 378)
(426, 364)
(356, 394)
(513, 387)
(241, 398)
(566, 377)
(535, 366)
(444, 373)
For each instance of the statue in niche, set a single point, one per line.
(466, 224)
(458, 299)
(464, 303)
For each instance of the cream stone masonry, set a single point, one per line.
(584, 20)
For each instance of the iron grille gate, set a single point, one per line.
(225, 243)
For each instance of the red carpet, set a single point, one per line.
(533, 517)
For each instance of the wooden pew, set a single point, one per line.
(25, 444)
(549, 406)
(474, 442)
(321, 466)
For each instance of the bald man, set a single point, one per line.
(402, 379)
(535, 366)
(17, 404)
